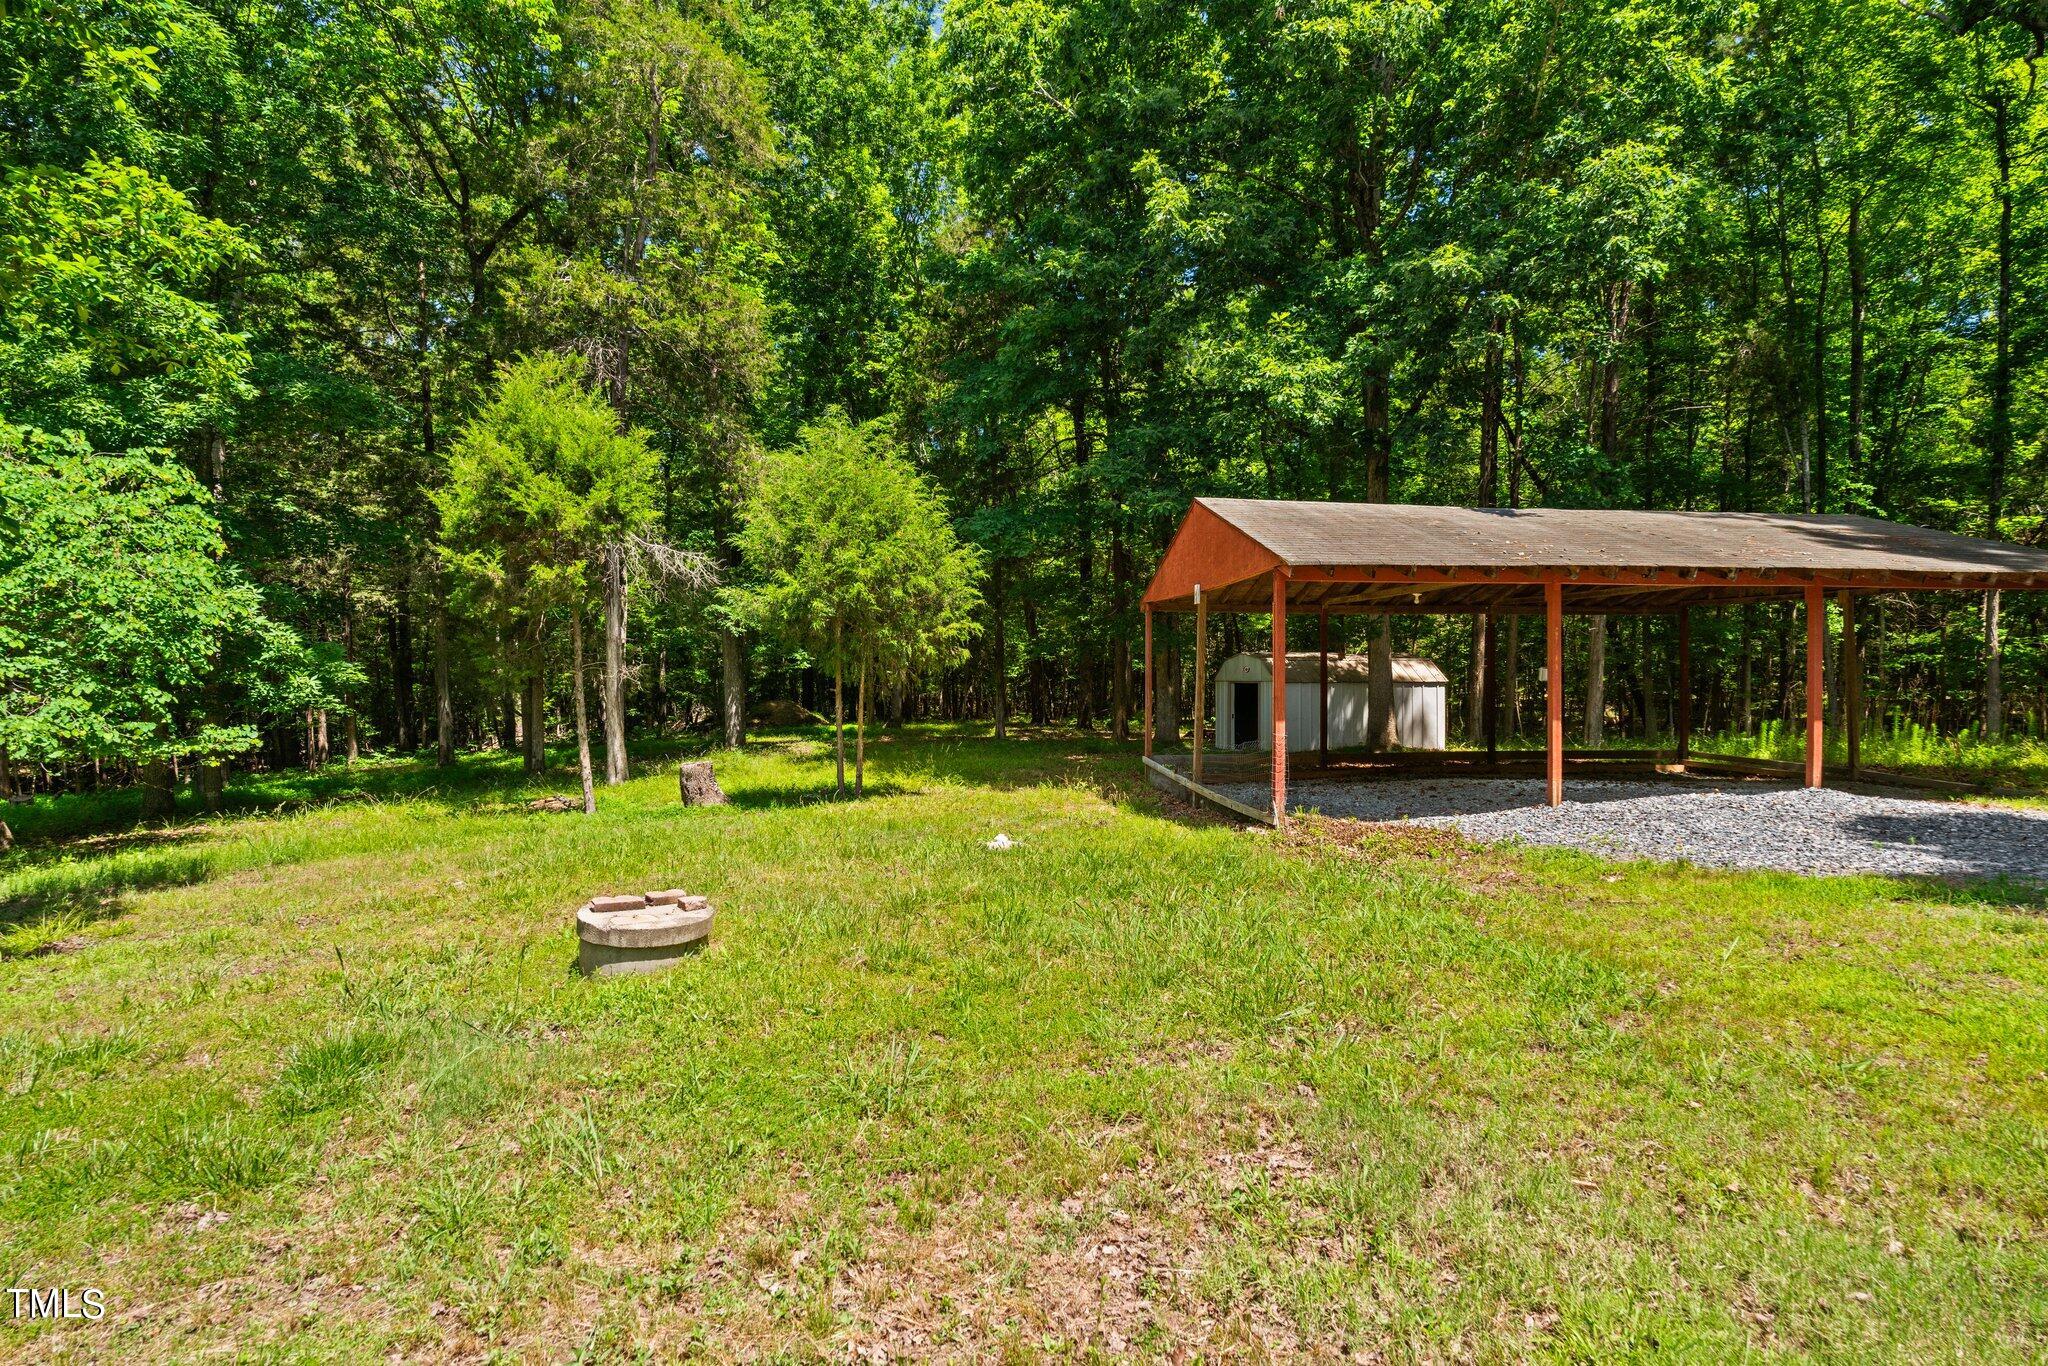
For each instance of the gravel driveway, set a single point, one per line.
(1715, 824)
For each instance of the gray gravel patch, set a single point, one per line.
(1713, 824)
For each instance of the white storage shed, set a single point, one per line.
(1244, 702)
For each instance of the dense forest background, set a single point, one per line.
(1087, 258)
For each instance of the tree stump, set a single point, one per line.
(699, 785)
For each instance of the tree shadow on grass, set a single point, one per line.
(478, 780)
(1995, 893)
(791, 794)
(903, 759)
(50, 892)
(79, 857)
(1996, 856)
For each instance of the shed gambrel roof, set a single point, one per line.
(1305, 666)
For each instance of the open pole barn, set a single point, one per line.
(1289, 559)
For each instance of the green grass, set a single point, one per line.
(2016, 762)
(321, 1083)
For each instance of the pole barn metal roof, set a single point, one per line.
(1393, 557)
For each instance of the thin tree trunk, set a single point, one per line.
(1823, 259)
(1120, 573)
(1510, 687)
(1084, 562)
(400, 641)
(999, 656)
(1647, 681)
(1034, 667)
(660, 699)
(1831, 702)
(734, 688)
(159, 798)
(1994, 683)
(2001, 369)
(1165, 698)
(613, 559)
(444, 699)
(1475, 700)
(1596, 681)
(348, 651)
(1746, 714)
(860, 731)
(838, 709)
(1785, 665)
(535, 724)
(1381, 731)
(582, 713)
(1859, 302)
(1652, 393)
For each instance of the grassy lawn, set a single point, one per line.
(319, 1083)
(2013, 769)
(2015, 765)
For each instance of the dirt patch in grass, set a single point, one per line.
(1118, 1268)
(1433, 848)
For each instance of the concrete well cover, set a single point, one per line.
(650, 928)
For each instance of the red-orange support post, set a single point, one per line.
(1201, 672)
(1553, 737)
(1816, 648)
(1279, 698)
(1323, 689)
(1148, 683)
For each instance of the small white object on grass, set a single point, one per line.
(1001, 842)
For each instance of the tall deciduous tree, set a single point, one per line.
(856, 562)
(653, 272)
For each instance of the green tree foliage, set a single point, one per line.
(1088, 259)
(652, 271)
(118, 608)
(856, 562)
(1586, 255)
(98, 336)
(113, 603)
(861, 199)
(538, 482)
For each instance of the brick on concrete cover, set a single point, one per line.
(602, 904)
